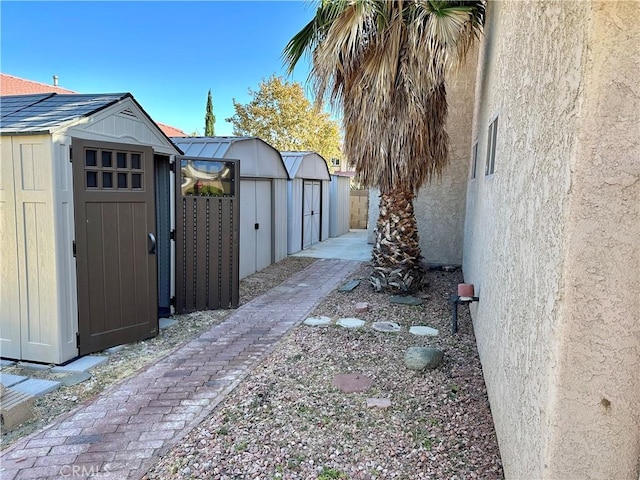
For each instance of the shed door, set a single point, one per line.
(255, 226)
(115, 226)
(311, 213)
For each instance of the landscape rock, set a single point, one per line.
(352, 382)
(316, 321)
(423, 330)
(383, 403)
(350, 322)
(408, 300)
(388, 327)
(421, 358)
(362, 307)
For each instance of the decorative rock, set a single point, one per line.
(408, 300)
(421, 358)
(383, 403)
(350, 322)
(315, 321)
(352, 382)
(423, 330)
(388, 327)
(349, 286)
(362, 307)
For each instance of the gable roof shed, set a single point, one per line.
(78, 178)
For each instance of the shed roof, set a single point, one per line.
(306, 164)
(48, 112)
(245, 149)
(12, 85)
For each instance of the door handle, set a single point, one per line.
(152, 237)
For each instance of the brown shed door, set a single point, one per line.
(115, 244)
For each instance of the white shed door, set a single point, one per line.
(255, 226)
(310, 213)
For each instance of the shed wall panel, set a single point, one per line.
(9, 270)
(65, 261)
(294, 216)
(35, 242)
(324, 212)
(339, 202)
(279, 219)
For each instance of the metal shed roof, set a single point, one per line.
(267, 164)
(305, 164)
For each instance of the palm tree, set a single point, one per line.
(384, 63)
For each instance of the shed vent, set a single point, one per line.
(128, 112)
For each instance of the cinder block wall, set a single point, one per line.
(359, 209)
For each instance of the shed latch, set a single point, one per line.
(77, 339)
(74, 248)
(256, 226)
(172, 235)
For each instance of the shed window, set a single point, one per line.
(92, 179)
(122, 180)
(100, 172)
(121, 160)
(90, 159)
(135, 161)
(106, 159)
(491, 147)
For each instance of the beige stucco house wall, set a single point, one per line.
(439, 204)
(552, 237)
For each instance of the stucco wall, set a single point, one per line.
(525, 236)
(597, 400)
(439, 205)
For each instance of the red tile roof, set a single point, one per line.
(170, 131)
(10, 85)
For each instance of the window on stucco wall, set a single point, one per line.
(474, 160)
(491, 147)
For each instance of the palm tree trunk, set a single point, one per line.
(396, 252)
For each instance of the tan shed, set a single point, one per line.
(81, 255)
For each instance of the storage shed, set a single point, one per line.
(339, 204)
(263, 195)
(85, 258)
(307, 200)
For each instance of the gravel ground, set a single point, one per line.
(286, 419)
(135, 356)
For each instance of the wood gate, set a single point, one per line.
(207, 234)
(115, 225)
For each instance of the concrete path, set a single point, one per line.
(122, 432)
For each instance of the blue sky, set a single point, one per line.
(167, 54)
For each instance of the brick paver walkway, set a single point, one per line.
(121, 433)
